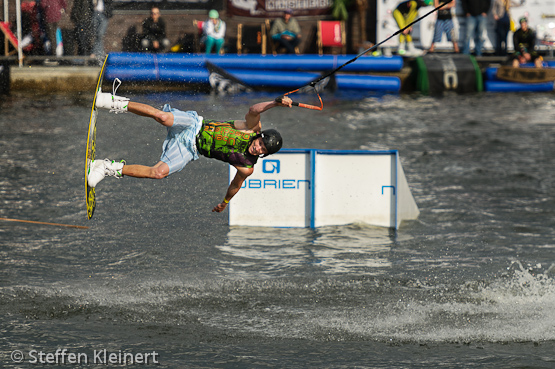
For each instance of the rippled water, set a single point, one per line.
(468, 284)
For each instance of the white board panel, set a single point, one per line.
(355, 188)
(277, 194)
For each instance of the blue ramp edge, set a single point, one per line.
(314, 63)
(275, 79)
(505, 86)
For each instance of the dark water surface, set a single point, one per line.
(470, 284)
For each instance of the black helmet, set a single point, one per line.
(272, 140)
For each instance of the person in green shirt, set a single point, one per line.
(237, 142)
(286, 32)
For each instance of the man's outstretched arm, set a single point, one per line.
(252, 118)
(234, 187)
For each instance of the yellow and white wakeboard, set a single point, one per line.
(91, 146)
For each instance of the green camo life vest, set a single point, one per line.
(221, 141)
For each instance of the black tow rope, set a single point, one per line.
(315, 82)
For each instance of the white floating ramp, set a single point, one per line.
(313, 188)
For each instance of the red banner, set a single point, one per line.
(275, 8)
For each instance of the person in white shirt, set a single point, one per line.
(214, 32)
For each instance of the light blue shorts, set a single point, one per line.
(444, 26)
(180, 146)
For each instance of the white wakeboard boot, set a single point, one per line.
(102, 168)
(412, 50)
(401, 49)
(116, 104)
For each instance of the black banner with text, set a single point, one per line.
(168, 4)
(275, 8)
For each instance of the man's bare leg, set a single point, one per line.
(158, 171)
(102, 168)
(162, 117)
(161, 169)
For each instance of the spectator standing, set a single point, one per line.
(214, 32)
(82, 18)
(286, 32)
(502, 15)
(154, 32)
(404, 14)
(102, 13)
(524, 41)
(31, 43)
(444, 24)
(52, 11)
(476, 12)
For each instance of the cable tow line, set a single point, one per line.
(315, 82)
(44, 223)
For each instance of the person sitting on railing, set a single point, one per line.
(286, 32)
(154, 32)
(524, 41)
(214, 32)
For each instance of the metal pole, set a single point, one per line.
(18, 17)
(6, 14)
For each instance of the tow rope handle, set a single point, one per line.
(299, 104)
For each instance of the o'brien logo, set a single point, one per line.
(273, 166)
(270, 166)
